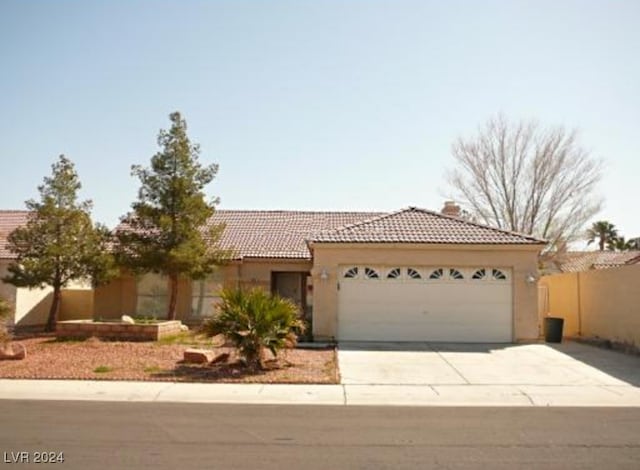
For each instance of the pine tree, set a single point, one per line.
(59, 243)
(169, 230)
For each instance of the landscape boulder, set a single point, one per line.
(220, 358)
(198, 356)
(8, 351)
(128, 320)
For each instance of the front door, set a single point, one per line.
(290, 286)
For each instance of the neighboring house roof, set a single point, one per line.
(278, 234)
(576, 261)
(415, 225)
(9, 221)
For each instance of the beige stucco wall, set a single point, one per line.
(76, 304)
(522, 260)
(32, 306)
(603, 303)
(119, 296)
(562, 298)
(257, 272)
(116, 298)
(7, 291)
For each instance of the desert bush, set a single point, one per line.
(255, 321)
(5, 311)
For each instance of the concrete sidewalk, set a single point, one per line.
(396, 395)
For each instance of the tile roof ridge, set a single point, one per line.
(15, 211)
(342, 228)
(294, 211)
(635, 258)
(437, 214)
(481, 225)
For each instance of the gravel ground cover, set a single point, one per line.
(48, 358)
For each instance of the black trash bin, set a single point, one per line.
(553, 329)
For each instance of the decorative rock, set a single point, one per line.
(7, 352)
(128, 320)
(197, 356)
(220, 358)
(184, 328)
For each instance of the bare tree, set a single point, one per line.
(522, 177)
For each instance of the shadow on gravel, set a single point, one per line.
(234, 372)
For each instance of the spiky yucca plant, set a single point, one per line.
(255, 321)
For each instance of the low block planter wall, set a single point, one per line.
(81, 329)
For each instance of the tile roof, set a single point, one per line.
(9, 221)
(576, 261)
(278, 234)
(414, 225)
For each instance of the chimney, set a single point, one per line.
(451, 209)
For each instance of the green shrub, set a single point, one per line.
(5, 311)
(254, 321)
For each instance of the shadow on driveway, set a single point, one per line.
(625, 367)
(564, 364)
(420, 347)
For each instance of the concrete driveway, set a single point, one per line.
(569, 373)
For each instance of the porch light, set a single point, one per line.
(531, 279)
(324, 275)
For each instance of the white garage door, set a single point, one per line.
(425, 304)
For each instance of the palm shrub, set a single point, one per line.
(255, 321)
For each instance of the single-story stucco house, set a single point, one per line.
(410, 275)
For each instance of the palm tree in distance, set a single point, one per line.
(603, 232)
(620, 244)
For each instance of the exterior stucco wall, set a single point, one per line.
(602, 303)
(76, 304)
(522, 260)
(7, 291)
(563, 301)
(116, 298)
(32, 306)
(257, 273)
(119, 296)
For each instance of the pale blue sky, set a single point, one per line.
(348, 105)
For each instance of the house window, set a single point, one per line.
(498, 275)
(437, 274)
(479, 274)
(413, 273)
(371, 273)
(394, 273)
(153, 296)
(205, 295)
(455, 274)
(351, 273)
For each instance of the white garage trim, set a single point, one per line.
(425, 303)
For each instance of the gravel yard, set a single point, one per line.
(94, 359)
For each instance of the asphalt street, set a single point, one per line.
(101, 435)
